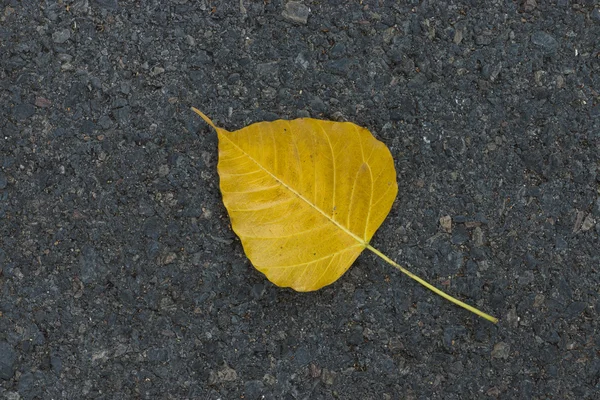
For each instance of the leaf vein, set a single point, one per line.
(285, 236)
(333, 162)
(312, 261)
(258, 189)
(361, 241)
(370, 202)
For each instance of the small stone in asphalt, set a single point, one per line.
(7, 361)
(92, 265)
(576, 308)
(460, 236)
(156, 70)
(225, 374)
(512, 319)
(501, 350)
(23, 111)
(296, 12)
(107, 4)
(545, 41)
(61, 36)
(526, 278)
(477, 237)
(328, 377)
(588, 223)
(258, 290)
(42, 102)
(529, 5)
(3, 180)
(105, 122)
(458, 36)
(446, 223)
(314, 370)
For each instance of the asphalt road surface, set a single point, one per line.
(120, 276)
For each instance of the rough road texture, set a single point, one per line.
(120, 277)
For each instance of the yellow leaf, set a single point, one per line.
(306, 196)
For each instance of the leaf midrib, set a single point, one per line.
(364, 243)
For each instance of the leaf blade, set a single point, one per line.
(323, 186)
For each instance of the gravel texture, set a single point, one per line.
(120, 277)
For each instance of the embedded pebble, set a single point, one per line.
(296, 12)
(446, 223)
(225, 374)
(588, 223)
(59, 37)
(544, 40)
(7, 361)
(24, 111)
(42, 102)
(501, 350)
(3, 180)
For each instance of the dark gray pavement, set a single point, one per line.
(120, 277)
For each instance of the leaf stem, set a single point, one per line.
(205, 118)
(431, 287)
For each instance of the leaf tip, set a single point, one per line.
(205, 118)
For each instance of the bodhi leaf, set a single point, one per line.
(306, 196)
